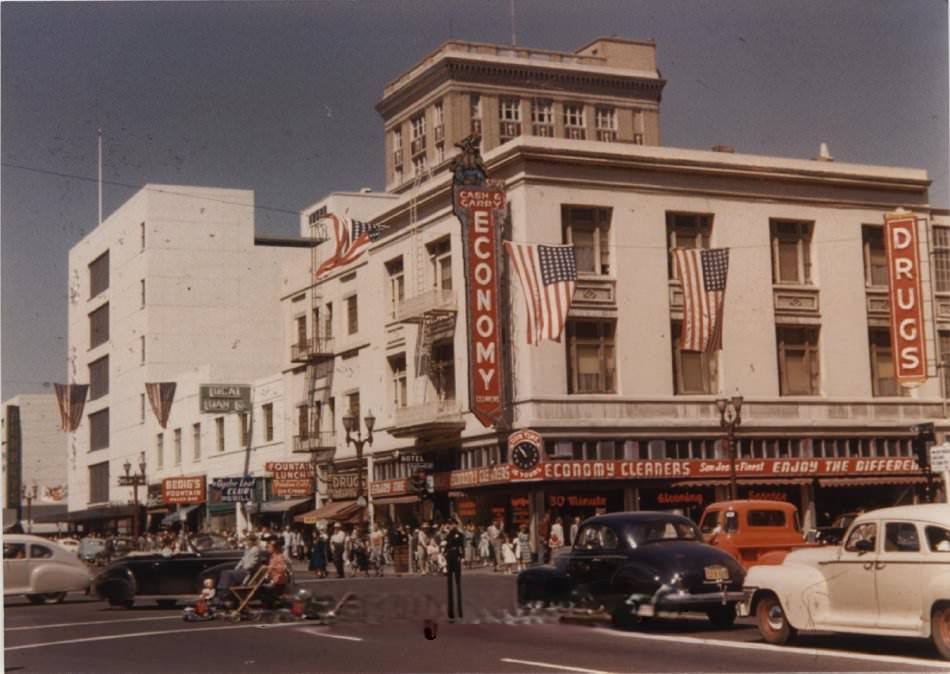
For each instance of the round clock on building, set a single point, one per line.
(525, 455)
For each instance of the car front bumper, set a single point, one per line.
(678, 600)
(744, 607)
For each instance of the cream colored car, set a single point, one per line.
(41, 569)
(890, 576)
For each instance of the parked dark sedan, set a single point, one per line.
(165, 577)
(633, 565)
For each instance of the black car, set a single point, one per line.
(166, 577)
(633, 565)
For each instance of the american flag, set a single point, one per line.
(703, 274)
(71, 399)
(548, 275)
(352, 238)
(161, 395)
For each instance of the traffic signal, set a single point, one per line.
(925, 435)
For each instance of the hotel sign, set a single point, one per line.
(481, 210)
(224, 398)
(183, 490)
(907, 312)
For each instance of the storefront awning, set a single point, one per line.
(338, 511)
(396, 500)
(284, 505)
(745, 481)
(177, 515)
(92, 514)
(221, 508)
(871, 481)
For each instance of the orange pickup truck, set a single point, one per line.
(754, 532)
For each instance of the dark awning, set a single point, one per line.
(93, 514)
(338, 511)
(871, 481)
(396, 499)
(284, 505)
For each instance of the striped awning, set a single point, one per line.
(337, 511)
(871, 481)
(744, 481)
(410, 498)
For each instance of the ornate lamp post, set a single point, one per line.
(134, 480)
(352, 424)
(29, 493)
(730, 416)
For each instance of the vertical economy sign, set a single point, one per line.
(907, 314)
(481, 210)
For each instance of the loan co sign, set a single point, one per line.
(907, 315)
(481, 211)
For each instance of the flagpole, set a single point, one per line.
(100, 175)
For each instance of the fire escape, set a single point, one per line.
(314, 349)
(433, 307)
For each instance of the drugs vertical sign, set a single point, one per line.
(480, 208)
(907, 313)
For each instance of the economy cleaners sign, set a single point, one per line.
(907, 314)
(481, 212)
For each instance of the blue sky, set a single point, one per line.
(278, 97)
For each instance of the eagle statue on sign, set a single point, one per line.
(468, 168)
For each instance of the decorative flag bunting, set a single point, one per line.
(352, 238)
(548, 275)
(703, 274)
(160, 397)
(71, 399)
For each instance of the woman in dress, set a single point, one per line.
(508, 558)
(319, 554)
(524, 547)
(469, 554)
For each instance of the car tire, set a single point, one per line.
(623, 619)
(772, 623)
(722, 617)
(121, 603)
(47, 598)
(940, 630)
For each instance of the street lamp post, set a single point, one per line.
(730, 416)
(28, 495)
(352, 424)
(134, 480)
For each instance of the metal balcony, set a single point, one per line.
(418, 146)
(509, 130)
(322, 444)
(607, 135)
(314, 349)
(442, 417)
(435, 302)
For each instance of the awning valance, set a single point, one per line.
(396, 500)
(220, 508)
(745, 481)
(92, 514)
(338, 511)
(284, 505)
(871, 481)
(177, 515)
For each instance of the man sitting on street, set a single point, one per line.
(252, 559)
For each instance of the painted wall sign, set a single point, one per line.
(344, 485)
(224, 398)
(183, 490)
(291, 478)
(480, 209)
(906, 300)
(577, 501)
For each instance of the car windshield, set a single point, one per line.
(654, 531)
(207, 541)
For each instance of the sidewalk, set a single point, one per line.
(300, 567)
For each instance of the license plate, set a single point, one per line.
(646, 610)
(717, 573)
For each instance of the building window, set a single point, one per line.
(791, 254)
(398, 175)
(591, 356)
(396, 284)
(542, 118)
(941, 257)
(219, 433)
(509, 115)
(574, 121)
(244, 421)
(438, 120)
(160, 450)
(440, 258)
(442, 369)
(99, 275)
(797, 360)
(99, 326)
(397, 370)
(352, 315)
(944, 364)
(353, 407)
(268, 411)
(176, 439)
(99, 430)
(475, 112)
(301, 322)
(142, 408)
(397, 149)
(142, 235)
(883, 377)
(605, 119)
(439, 153)
(303, 421)
(418, 143)
(99, 378)
(142, 349)
(694, 372)
(99, 482)
(588, 229)
(142, 291)
(419, 165)
(875, 256)
(196, 440)
(328, 317)
(687, 230)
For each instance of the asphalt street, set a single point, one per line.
(380, 629)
